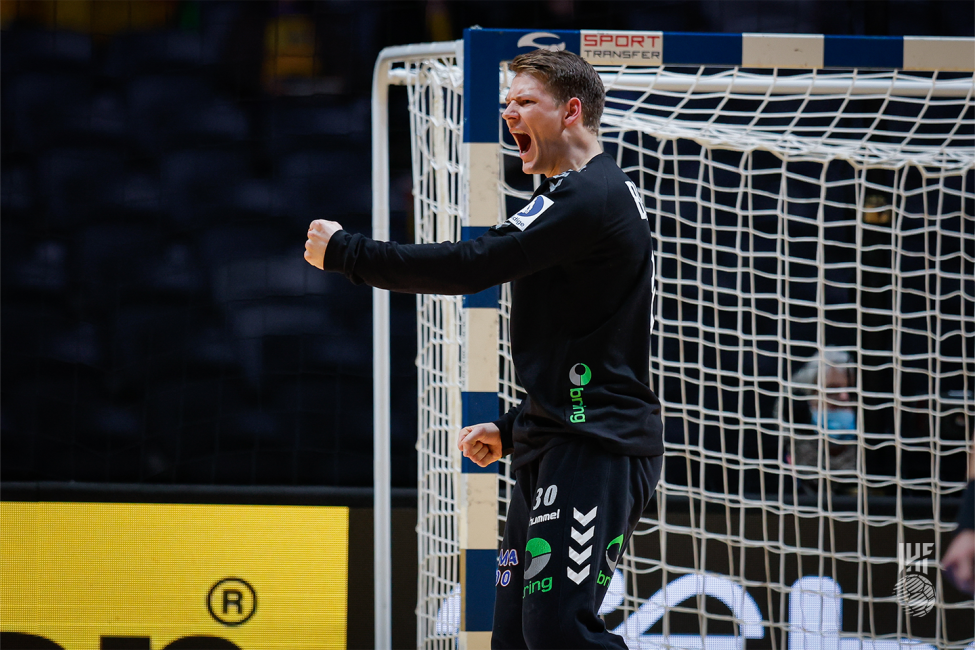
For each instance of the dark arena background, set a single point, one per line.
(177, 382)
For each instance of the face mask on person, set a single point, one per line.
(840, 423)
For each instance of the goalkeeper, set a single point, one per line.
(587, 438)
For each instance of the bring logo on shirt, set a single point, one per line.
(579, 379)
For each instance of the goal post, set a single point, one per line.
(812, 200)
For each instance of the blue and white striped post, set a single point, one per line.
(477, 496)
(478, 490)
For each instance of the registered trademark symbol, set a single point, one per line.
(232, 601)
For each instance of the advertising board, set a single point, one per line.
(94, 576)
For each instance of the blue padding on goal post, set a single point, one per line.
(484, 49)
(482, 564)
(478, 407)
(487, 298)
(472, 232)
(701, 49)
(863, 51)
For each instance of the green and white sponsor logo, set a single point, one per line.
(580, 378)
(579, 375)
(540, 553)
(613, 552)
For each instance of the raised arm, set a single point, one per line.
(448, 268)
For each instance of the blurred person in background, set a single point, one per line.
(959, 560)
(820, 413)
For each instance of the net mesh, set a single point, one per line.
(815, 242)
(436, 121)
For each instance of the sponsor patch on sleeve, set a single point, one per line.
(530, 212)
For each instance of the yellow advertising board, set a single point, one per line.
(251, 577)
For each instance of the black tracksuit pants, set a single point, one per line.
(572, 513)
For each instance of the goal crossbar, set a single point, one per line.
(665, 81)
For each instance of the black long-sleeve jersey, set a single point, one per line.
(580, 260)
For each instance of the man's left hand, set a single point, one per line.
(959, 561)
(481, 443)
(319, 233)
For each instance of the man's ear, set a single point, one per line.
(573, 111)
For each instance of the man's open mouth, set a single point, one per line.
(524, 142)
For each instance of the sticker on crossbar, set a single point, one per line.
(629, 48)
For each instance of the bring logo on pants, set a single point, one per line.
(539, 552)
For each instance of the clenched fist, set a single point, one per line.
(319, 232)
(481, 443)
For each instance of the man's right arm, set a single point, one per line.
(451, 268)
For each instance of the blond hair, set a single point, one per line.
(566, 75)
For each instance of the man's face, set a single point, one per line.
(836, 382)
(534, 119)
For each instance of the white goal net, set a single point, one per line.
(814, 350)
